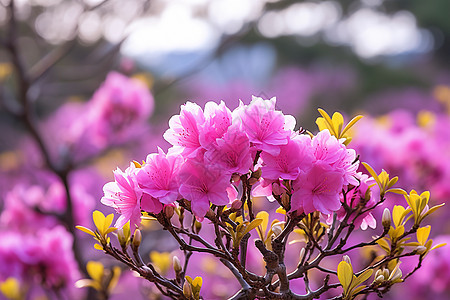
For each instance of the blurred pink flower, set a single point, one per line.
(44, 258)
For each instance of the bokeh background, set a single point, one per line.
(386, 59)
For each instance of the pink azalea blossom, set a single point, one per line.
(217, 120)
(124, 195)
(330, 150)
(158, 176)
(232, 152)
(296, 155)
(317, 189)
(266, 128)
(183, 133)
(203, 184)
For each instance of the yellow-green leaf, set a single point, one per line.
(95, 270)
(115, 278)
(99, 220)
(351, 123)
(108, 222)
(397, 214)
(364, 276)
(397, 191)
(86, 230)
(98, 247)
(372, 173)
(439, 246)
(345, 274)
(422, 234)
(253, 224)
(433, 209)
(10, 288)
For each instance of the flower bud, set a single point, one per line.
(302, 253)
(235, 178)
(421, 249)
(346, 258)
(123, 240)
(236, 205)
(197, 226)
(276, 229)
(257, 174)
(169, 210)
(285, 199)
(252, 181)
(379, 279)
(397, 275)
(276, 189)
(187, 290)
(386, 219)
(385, 273)
(137, 238)
(378, 273)
(176, 265)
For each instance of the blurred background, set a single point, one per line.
(68, 118)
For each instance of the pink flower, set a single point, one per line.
(329, 150)
(218, 119)
(183, 133)
(232, 152)
(116, 108)
(266, 128)
(317, 189)
(360, 195)
(158, 176)
(44, 257)
(203, 184)
(296, 155)
(124, 195)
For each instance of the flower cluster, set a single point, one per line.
(221, 161)
(213, 147)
